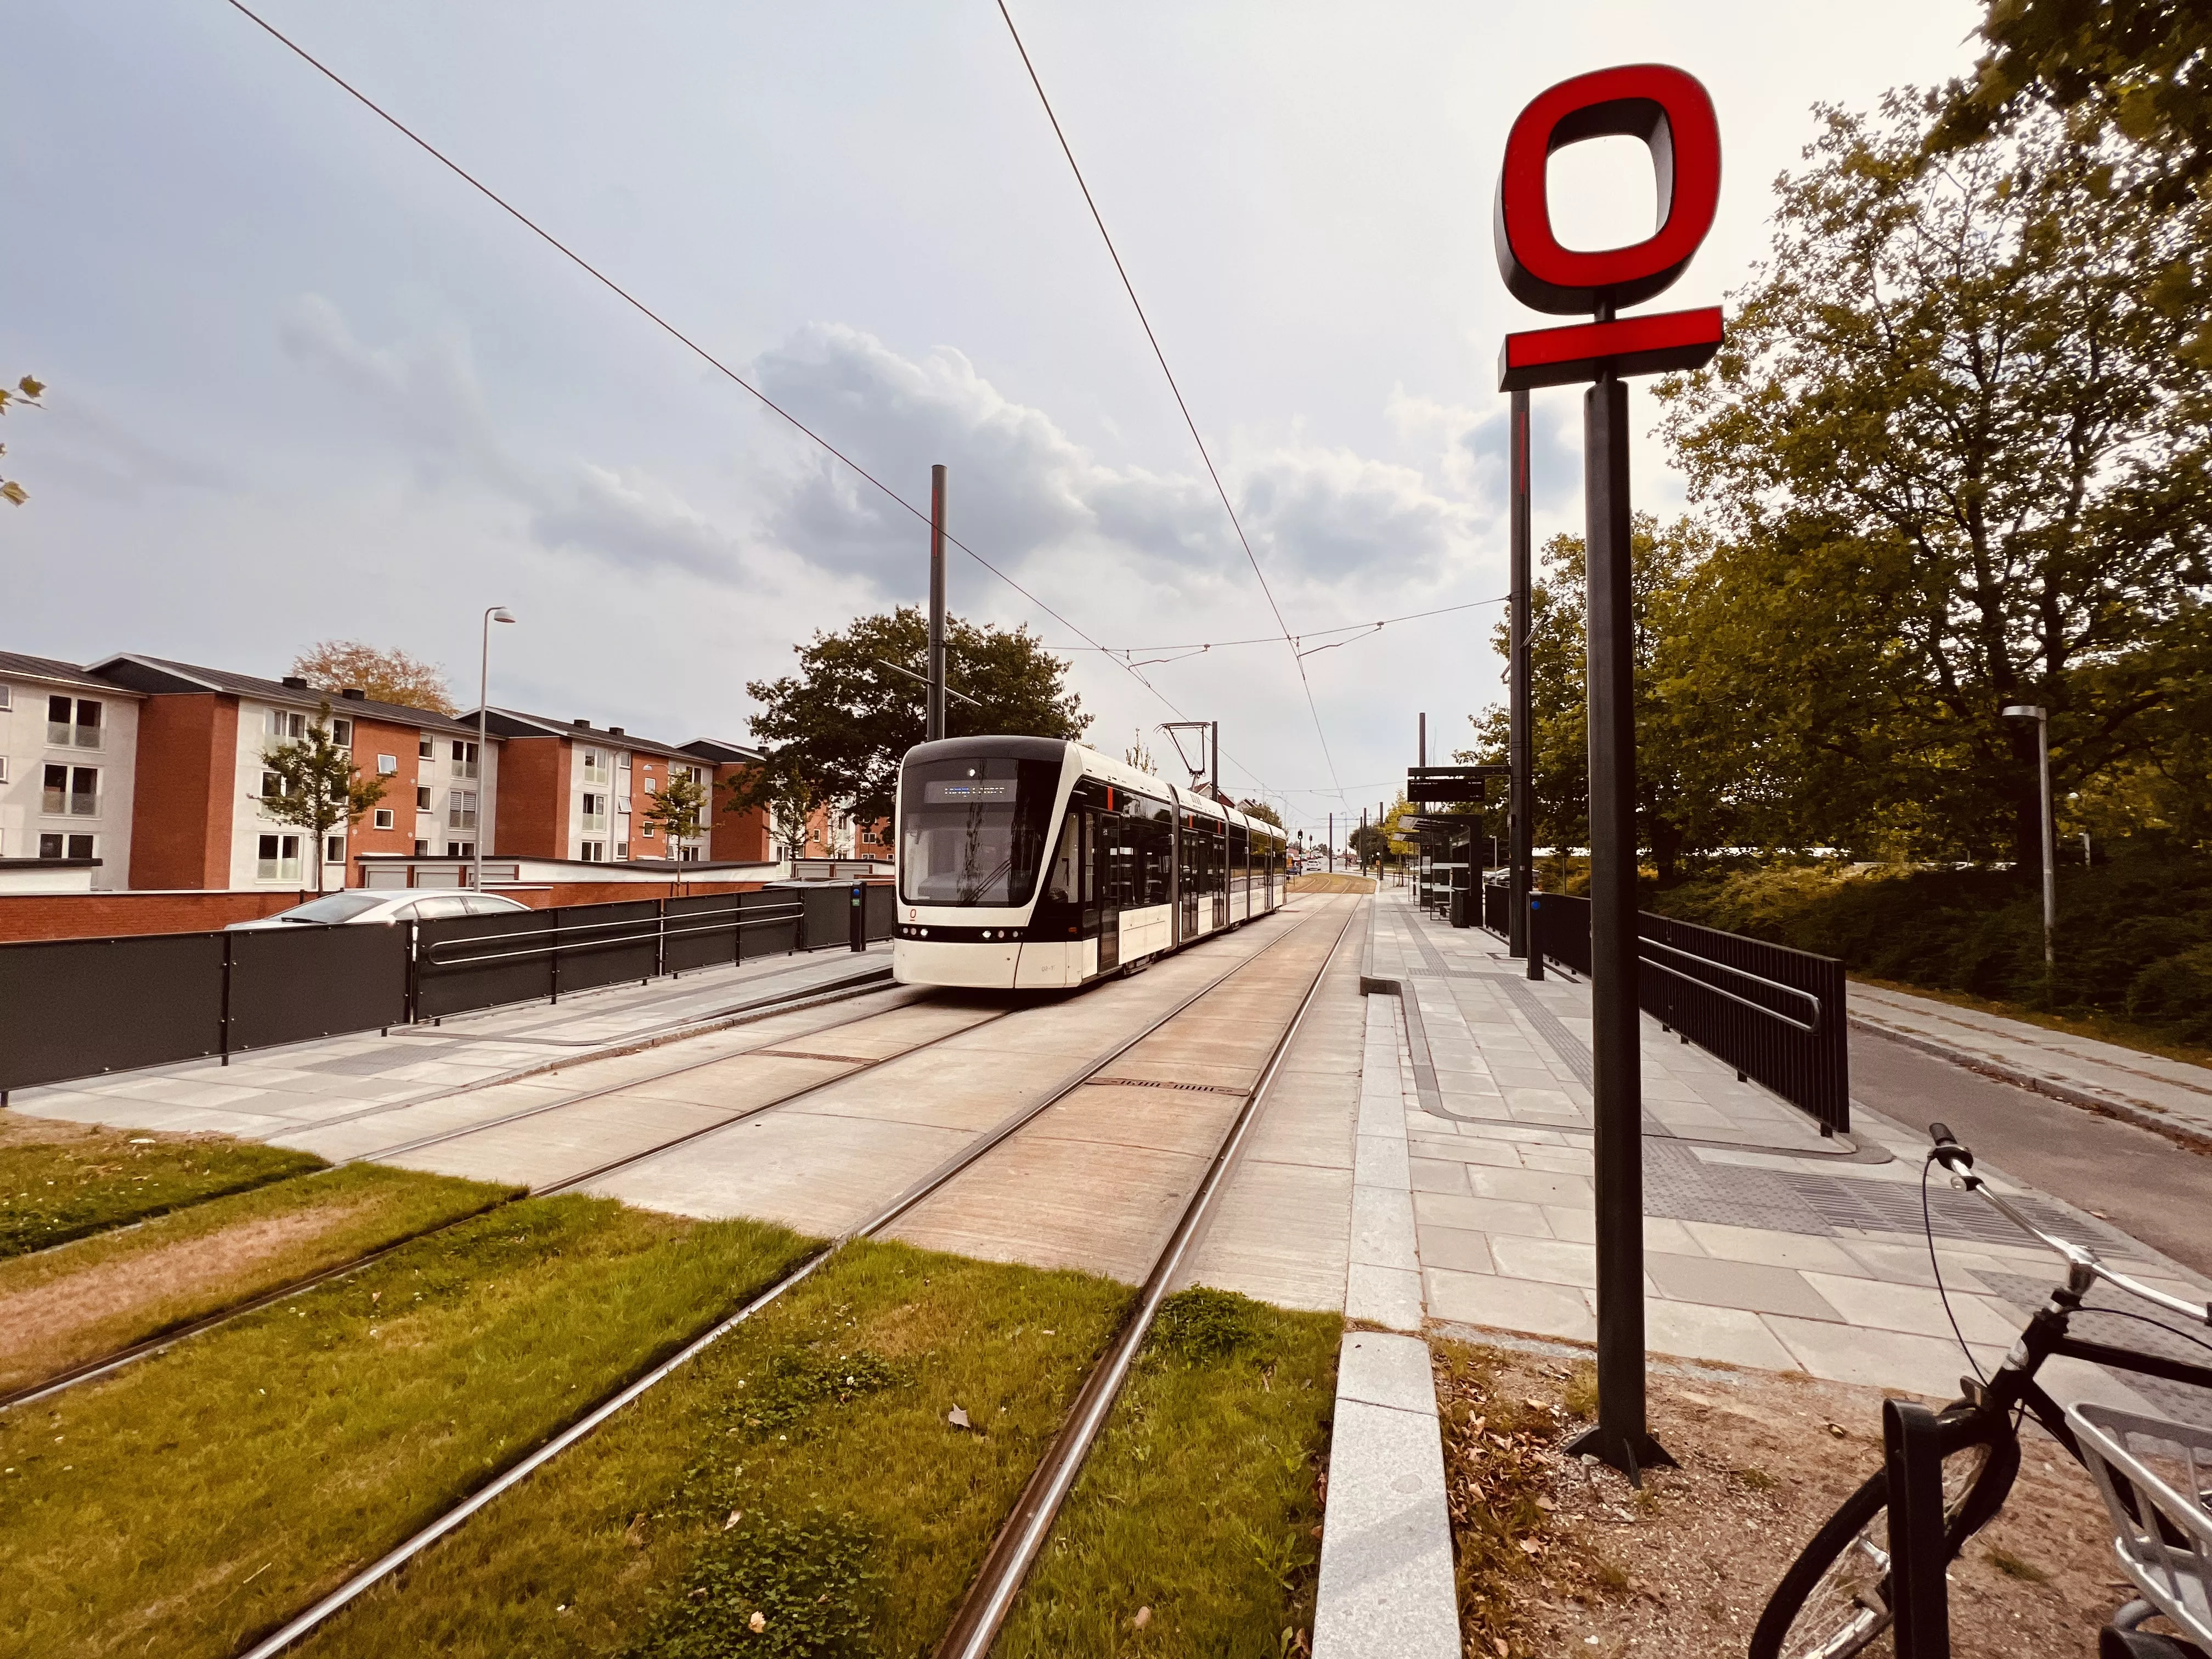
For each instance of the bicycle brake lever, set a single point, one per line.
(1946, 1150)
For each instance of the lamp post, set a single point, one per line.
(2026, 711)
(498, 613)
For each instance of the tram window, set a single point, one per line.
(1064, 884)
(974, 831)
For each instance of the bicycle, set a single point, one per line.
(1836, 1598)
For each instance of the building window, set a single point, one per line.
(622, 849)
(7, 698)
(464, 759)
(3, 764)
(595, 814)
(595, 852)
(460, 849)
(384, 817)
(72, 722)
(421, 849)
(461, 809)
(342, 734)
(647, 832)
(595, 767)
(690, 855)
(273, 786)
(387, 766)
(66, 846)
(334, 849)
(72, 789)
(285, 725)
(422, 798)
(426, 748)
(651, 787)
(278, 858)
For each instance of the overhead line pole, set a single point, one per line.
(934, 722)
(1520, 746)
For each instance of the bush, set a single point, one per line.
(2134, 937)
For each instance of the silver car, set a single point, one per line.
(362, 905)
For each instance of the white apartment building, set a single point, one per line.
(68, 747)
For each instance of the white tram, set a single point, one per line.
(1032, 863)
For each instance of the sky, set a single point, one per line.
(305, 383)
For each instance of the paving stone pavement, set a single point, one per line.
(268, 1094)
(1765, 1245)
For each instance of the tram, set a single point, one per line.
(1031, 863)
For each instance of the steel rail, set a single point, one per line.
(1774, 985)
(91, 1369)
(991, 1594)
(595, 1415)
(1744, 1002)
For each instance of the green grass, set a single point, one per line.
(58, 1184)
(1201, 1502)
(205, 1494)
(802, 1469)
(63, 1308)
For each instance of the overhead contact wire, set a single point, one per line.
(1130, 288)
(669, 328)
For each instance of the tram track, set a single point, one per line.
(91, 1369)
(913, 1194)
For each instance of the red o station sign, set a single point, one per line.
(1670, 112)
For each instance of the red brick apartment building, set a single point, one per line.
(142, 777)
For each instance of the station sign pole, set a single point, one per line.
(1672, 115)
(934, 719)
(1521, 746)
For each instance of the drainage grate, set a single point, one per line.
(1155, 1083)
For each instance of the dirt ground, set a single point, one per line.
(1560, 1557)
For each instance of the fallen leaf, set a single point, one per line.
(757, 1623)
(959, 1418)
(1837, 1430)
(1498, 1641)
(1530, 1546)
(1143, 1618)
(733, 1520)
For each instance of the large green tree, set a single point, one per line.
(836, 730)
(1687, 783)
(1951, 458)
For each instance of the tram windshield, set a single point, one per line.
(974, 831)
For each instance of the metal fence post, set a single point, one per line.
(1917, 1594)
(553, 956)
(1535, 936)
(414, 992)
(223, 1035)
(858, 923)
(659, 937)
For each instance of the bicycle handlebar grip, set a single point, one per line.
(1946, 1147)
(1942, 1135)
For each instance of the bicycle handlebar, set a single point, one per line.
(1959, 1160)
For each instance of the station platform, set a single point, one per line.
(267, 1094)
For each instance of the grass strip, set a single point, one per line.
(1195, 1527)
(799, 1489)
(203, 1496)
(65, 1309)
(64, 1182)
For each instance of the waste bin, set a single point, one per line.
(1463, 907)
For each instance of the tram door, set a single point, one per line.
(1186, 876)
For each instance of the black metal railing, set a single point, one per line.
(84, 1008)
(1775, 1014)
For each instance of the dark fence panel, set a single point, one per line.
(774, 922)
(1775, 1014)
(883, 911)
(466, 962)
(1496, 902)
(701, 931)
(607, 944)
(77, 1007)
(289, 984)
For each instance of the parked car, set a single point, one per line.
(362, 905)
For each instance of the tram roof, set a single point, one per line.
(1095, 761)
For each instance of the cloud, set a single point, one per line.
(635, 521)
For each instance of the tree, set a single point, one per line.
(2141, 66)
(789, 814)
(838, 729)
(1261, 811)
(1953, 458)
(27, 390)
(1684, 774)
(387, 676)
(315, 786)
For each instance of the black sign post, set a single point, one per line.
(1521, 743)
(1672, 115)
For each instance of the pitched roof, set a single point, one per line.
(159, 675)
(514, 723)
(723, 752)
(50, 668)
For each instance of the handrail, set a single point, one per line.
(601, 926)
(781, 915)
(1756, 1007)
(1798, 992)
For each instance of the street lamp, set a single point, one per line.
(498, 613)
(2024, 711)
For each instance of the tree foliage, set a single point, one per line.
(317, 789)
(1953, 459)
(385, 675)
(836, 730)
(677, 809)
(27, 390)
